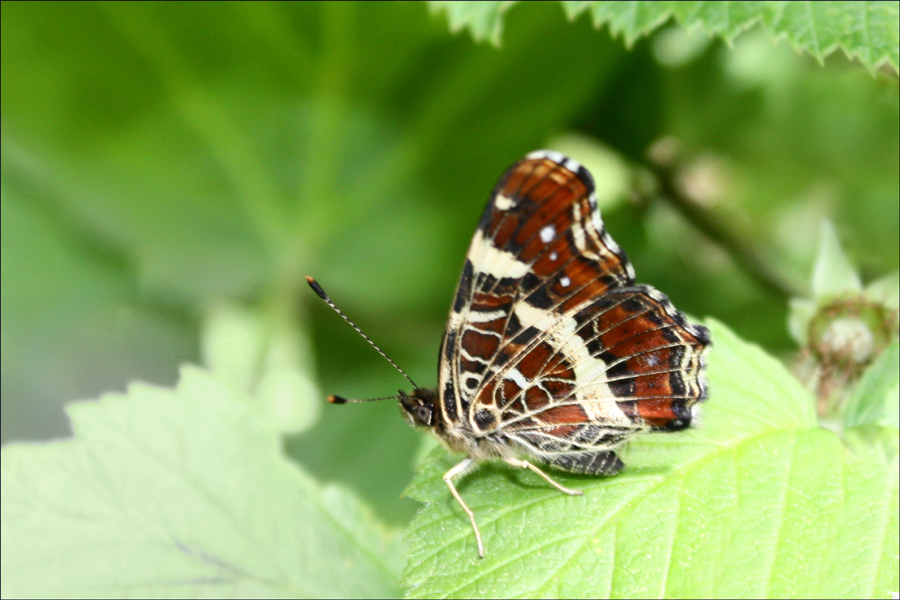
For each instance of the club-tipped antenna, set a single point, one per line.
(342, 400)
(321, 293)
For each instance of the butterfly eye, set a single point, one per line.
(423, 415)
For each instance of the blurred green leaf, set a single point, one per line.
(712, 511)
(72, 320)
(867, 31)
(833, 275)
(265, 355)
(484, 20)
(220, 153)
(800, 314)
(182, 492)
(162, 159)
(876, 399)
(886, 291)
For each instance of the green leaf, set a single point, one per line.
(484, 20)
(833, 274)
(876, 399)
(886, 291)
(181, 493)
(800, 313)
(71, 321)
(265, 355)
(867, 31)
(756, 500)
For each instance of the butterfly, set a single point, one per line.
(552, 353)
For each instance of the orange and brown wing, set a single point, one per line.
(548, 338)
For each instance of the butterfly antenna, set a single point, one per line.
(321, 293)
(342, 400)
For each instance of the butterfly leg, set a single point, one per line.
(459, 469)
(524, 464)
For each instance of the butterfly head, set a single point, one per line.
(418, 407)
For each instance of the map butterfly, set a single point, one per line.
(551, 352)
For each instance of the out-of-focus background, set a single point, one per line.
(163, 164)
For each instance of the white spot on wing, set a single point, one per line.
(519, 379)
(478, 316)
(611, 243)
(572, 165)
(554, 156)
(547, 233)
(504, 202)
(530, 316)
(565, 281)
(629, 268)
(490, 260)
(595, 216)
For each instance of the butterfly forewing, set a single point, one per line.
(549, 343)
